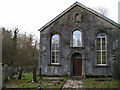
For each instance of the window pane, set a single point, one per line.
(98, 57)
(103, 57)
(103, 44)
(55, 49)
(77, 38)
(101, 48)
(98, 44)
(53, 61)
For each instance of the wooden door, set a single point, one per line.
(77, 67)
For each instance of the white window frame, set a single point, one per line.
(101, 50)
(79, 38)
(55, 51)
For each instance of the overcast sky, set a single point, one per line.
(30, 15)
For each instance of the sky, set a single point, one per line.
(30, 15)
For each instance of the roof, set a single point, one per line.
(84, 7)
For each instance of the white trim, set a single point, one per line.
(101, 64)
(55, 50)
(101, 50)
(77, 35)
(55, 63)
(78, 46)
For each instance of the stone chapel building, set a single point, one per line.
(79, 42)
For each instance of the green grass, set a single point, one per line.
(58, 85)
(26, 82)
(98, 83)
(29, 85)
(27, 76)
(88, 82)
(15, 83)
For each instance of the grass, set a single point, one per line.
(15, 83)
(27, 76)
(26, 81)
(88, 82)
(58, 85)
(101, 83)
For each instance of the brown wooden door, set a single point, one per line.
(77, 67)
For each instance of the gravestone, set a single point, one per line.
(34, 74)
(40, 73)
(5, 73)
(16, 71)
(20, 73)
(11, 73)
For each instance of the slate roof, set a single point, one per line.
(84, 7)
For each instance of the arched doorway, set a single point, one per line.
(77, 64)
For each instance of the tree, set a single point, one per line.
(101, 10)
(27, 50)
(15, 37)
(19, 49)
(7, 47)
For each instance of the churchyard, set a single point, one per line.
(18, 78)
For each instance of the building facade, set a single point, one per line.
(79, 42)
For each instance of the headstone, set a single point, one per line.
(11, 74)
(40, 73)
(20, 73)
(5, 73)
(34, 74)
(15, 71)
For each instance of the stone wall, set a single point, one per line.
(89, 25)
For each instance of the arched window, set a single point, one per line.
(77, 38)
(55, 49)
(77, 17)
(101, 49)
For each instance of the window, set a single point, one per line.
(55, 49)
(77, 38)
(101, 49)
(77, 17)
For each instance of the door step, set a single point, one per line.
(77, 77)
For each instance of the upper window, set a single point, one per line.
(101, 49)
(55, 48)
(77, 17)
(77, 38)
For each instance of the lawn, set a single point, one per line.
(51, 82)
(101, 83)
(45, 82)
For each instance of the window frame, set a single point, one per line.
(77, 17)
(55, 51)
(101, 50)
(79, 38)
